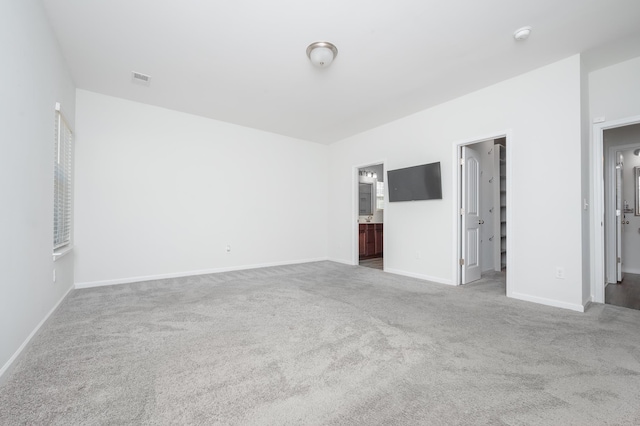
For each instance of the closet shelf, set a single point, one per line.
(500, 199)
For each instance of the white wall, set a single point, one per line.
(33, 77)
(614, 92)
(585, 163)
(542, 111)
(162, 193)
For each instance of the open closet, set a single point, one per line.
(499, 185)
(483, 202)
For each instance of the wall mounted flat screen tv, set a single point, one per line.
(422, 182)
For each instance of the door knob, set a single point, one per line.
(480, 222)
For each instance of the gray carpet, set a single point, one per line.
(324, 343)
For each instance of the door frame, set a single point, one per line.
(355, 209)
(597, 238)
(457, 202)
(610, 225)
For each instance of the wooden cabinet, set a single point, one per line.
(361, 239)
(378, 238)
(370, 240)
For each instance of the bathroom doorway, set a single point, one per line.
(600, 237)
(622, 215)
(371, 202)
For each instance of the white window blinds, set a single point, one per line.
(62, 182)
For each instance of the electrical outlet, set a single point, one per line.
(228, 248)
(560, 273)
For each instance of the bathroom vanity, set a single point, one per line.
(370, 238)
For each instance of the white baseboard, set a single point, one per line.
(419, 276)
(6, 368)
(130, 280)
(344, 262)
(631, 271)
(548, 302)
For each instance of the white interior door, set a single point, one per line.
(471, 266)
(619, 214)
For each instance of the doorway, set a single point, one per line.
(597, 210)
(621, 153)
(482, 212)
(371, 199)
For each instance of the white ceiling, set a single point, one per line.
(244, 61)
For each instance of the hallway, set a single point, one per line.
(625, 293)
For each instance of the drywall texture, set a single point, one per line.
(541, 109)
(614, 92)
(33, 77)
(163, 193)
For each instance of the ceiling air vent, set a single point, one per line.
(141, 79)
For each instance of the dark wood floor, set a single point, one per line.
(625, 293)
(376, 263)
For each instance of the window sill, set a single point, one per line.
(62, 251)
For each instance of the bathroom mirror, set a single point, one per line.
(636, 186)
(365, 197)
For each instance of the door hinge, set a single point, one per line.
(461, 212)
(461, 262)
(462, 161)
(619, 261)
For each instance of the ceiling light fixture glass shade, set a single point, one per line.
(322, 53)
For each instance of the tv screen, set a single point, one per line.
(415, 183)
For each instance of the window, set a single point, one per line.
(62, 182)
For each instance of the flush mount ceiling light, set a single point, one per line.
(522, 33)
(322, 53)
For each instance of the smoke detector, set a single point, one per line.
(522, 33)
(141, 79)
